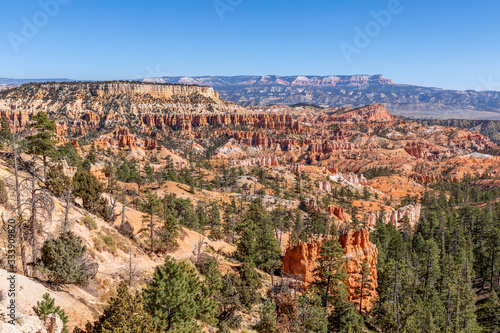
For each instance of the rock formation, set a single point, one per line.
(351, 178)
(338, 212)
(412, 212)
(261, 161)
(300, 261)
(31, 324)
(185, 122)
(297, 168)
(124, 138)
(371, 113)
(325, 186)
(358, 248)
(97, 170)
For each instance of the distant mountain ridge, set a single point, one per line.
(349, 91)
(338, 90)
(300, 80)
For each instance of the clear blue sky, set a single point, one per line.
(449, 44)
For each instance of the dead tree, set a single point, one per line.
(130, 271)
(67, 208)
(37, 206)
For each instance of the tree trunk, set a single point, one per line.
(396, 297)
(66, 212)
(18, 199)
(492, 265)
(361, 294)
(34, 225)
(152, 231)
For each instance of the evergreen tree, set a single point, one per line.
(229, 302)
(66, 260)
(330, 274)
(5, 134)
(89, 189)
(151, 206)
(248, 285)
(168, 234)
(268, 321)
(247, 232)
(490, 312)
(176, 298)
(125, 313)
(215, 222)
(344, 318)
(42, 142)
(365, 281)
(47, 306)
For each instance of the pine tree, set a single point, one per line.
(125, 313)
(41, 143)
(490, 312)
(168, 234)
(215, 222)
(249, 285)
(268, 320)
(344, 318)
(46, 307)
(365, 281)
(330, 273)
(150, 205)
(268, 257)
(247, 241)
(66, 260)
(89, 189)
(176, 298)
(5, 135)
(229, 300)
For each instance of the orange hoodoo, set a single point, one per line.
(301, 260)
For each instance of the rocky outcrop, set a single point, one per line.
(105, 142)
(358, 248)
(150, 144)
(185, 122)
(124, 138)
(325, 186)
(155, 90)
(265, 161)
(471, 141)
(31, 324)
(371, 113)
(301, 260)
(310, 204)
(351, 179)
(412, 212)
(97, 170)
(297, 168)
(338, 212)
(63, 166)
(427, 151)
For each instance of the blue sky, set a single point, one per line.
(448, 44)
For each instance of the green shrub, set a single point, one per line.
(105, 243)
(58, 182)
(110, 242)
(89, 222)
(47, 307)
(66, 261)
